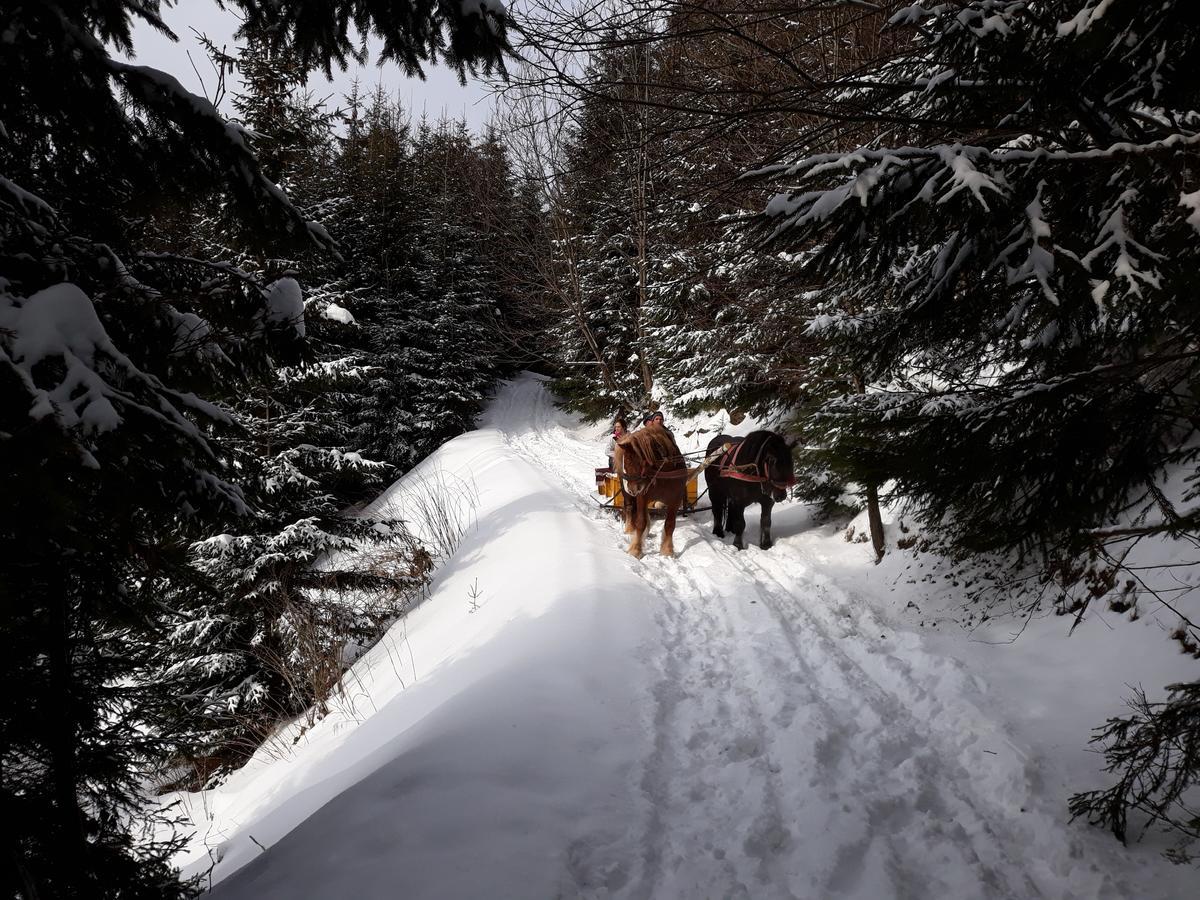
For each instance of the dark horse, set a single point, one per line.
(651, 468)
(756, 469)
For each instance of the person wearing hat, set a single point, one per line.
(653, 418)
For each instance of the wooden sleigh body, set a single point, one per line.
(608, 486)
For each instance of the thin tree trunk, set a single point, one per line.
(64, 776)
(643, 178)
(874, 518)
(638, 191)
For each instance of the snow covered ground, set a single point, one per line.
(560, 720)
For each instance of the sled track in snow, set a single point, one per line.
(786, 720)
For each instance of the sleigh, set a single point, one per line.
(608, 486)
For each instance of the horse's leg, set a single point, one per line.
(627, 508)
(638, 515)
(764, 524)
(667, 548)
(735, 520)
(717, 496)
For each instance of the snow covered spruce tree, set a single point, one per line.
(417, 279)
(674, 109)
(1016, 283)
(452, 354)
(280, 604)
(109, 456)
(599, 244)
(729, 325)
(287, 599)
(374, 211)
(1021, 282)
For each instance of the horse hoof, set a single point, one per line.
(667, 551)
(719, 534)
(636, 554)
(767, 545)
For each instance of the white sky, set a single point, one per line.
(439, 94)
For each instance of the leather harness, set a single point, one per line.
(658, 473)
(731, 465)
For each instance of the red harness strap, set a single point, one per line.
(730, 467)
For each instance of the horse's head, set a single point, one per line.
(779, 468)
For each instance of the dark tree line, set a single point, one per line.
(391, 349)
(190, 314)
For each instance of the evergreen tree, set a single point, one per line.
(109, 456)
(452, 354)
(261, 633)
(603, 250)
(283, 605)
(1023, 288)
(419, 212)
(673, 111)
(728, 326)
(377, 281)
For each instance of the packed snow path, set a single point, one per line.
(716, 725)
(800, 747)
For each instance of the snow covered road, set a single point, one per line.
(800, 747)
(717, 725)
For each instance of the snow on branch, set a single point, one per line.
(980, 19)
(1039, 262)
(1084, 19)
(23, 199)
(809, 165)
(1114, 233)
(73, 373)
(1192, 202)
(965, 176)
(285, 304)
(165, 97)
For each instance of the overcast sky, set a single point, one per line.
(439, 94)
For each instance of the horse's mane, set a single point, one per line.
(654, 445)
(757, 443)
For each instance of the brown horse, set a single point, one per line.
(651, 468)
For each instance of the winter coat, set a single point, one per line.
(611, 449)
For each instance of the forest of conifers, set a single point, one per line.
(951, 247)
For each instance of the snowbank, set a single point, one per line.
(494, 723)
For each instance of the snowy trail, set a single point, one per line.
(717, 725)
(800, 747)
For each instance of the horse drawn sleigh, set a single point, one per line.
(608, 486)
(650, 476)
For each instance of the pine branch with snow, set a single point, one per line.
(1016, 284)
